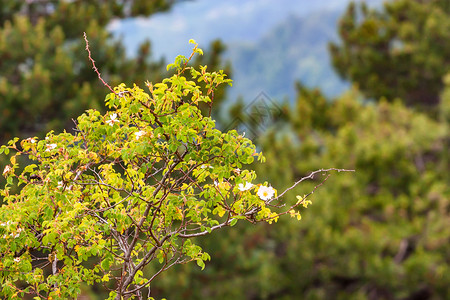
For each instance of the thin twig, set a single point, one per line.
(93, 65)
(310, 176)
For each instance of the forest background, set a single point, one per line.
(380, 233)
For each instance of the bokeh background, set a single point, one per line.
(360, 85)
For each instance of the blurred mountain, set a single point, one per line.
(294, 50)
(271, 44)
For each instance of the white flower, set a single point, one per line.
(7, 169)
(206, 166)
(245, 187)
(139, 134)
(50, 147)
(19, 230)
(32, 141)
(266, 192)
(17, 259)
(216, 183)
(112, 120)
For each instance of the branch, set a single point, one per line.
(226, 223)
(165, 267)
(310, 176)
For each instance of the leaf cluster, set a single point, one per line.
(129, 189)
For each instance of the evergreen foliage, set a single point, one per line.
(401, 52)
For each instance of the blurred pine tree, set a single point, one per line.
(402, 51)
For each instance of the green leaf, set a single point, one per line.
(200, 263)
